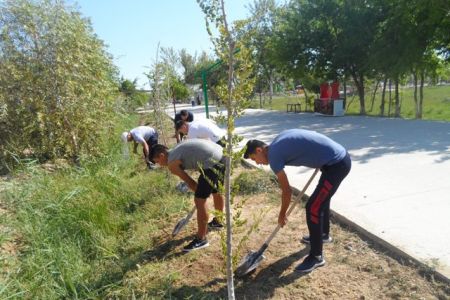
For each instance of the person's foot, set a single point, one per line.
(196, 244)
(310, 263)
(325, 239)
(214, 225)
(151, 166)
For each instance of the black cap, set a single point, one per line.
(251, 147)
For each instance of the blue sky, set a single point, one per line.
(133, 28)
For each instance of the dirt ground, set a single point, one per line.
(354, 268)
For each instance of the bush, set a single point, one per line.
(57, 82)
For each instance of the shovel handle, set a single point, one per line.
(291, 208)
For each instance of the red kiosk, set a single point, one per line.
(329, 103)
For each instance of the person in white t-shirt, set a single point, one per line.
(146, 136)
(202, 129)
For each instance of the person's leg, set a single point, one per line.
(218, 202)
(319, 203)
(313, 216)
(201, 194)
(217, 180)
(326, 219)
(202, 217)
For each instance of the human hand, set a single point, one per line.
(282, 219)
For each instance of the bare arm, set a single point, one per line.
(175, 168)
(146, 150)
(286, 193)
(177, 136)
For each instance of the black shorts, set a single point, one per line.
(208, 181)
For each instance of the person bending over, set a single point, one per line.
(146, 136)
(297, 147)
(207, 158)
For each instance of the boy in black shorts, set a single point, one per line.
(206, 157)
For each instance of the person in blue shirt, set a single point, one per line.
(298, 147)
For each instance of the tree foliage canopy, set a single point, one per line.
(56, 79)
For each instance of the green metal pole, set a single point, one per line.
(205, 93)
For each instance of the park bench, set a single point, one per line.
(293, 107)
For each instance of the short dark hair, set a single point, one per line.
(184, 112)
(179, 124)
(251, 147)
(156, 150)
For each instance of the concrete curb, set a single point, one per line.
(388, 248)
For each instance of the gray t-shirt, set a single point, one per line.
(196, 154)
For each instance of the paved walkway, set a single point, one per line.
(399, 186)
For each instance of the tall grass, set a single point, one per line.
(75, 228)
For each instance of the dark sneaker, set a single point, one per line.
(310, 263)
(214, 225)
(196, 244)
(325, 239)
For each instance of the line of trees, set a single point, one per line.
(377, 40)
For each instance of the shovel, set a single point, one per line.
(183, 222)
(251, 260)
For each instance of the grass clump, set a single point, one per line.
(254, 182)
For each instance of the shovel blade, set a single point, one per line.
(178, 227)
(250, 262)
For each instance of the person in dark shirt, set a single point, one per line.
(185, 116)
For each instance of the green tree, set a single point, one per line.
(56, 79)
(407, 42)
(234, 92)
(259, 36)
(329, 39)
(188, 62)
(128, 87)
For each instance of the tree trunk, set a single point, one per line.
(307, 104)
(270, 88)
(416, 101)
(422, 82)
(227, 179)
(397, 99)
(359, 82)
(390, 98)
(374, 94)
(383, 95)
(345, 93)
(260, 99)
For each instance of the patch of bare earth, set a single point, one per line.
(354, 269)
(9, 244)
